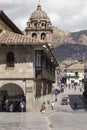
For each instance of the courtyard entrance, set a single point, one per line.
(11, 94)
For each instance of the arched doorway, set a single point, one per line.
(11, 92)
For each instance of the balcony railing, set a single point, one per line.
(74, 76)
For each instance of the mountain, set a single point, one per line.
(67, 53)
(80, 36)
(59, 37)
(69, 46)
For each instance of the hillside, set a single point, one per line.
(59, 37)
(66, 53)
(80, 36)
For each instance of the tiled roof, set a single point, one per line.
(10, 38)
(8, 22)
(76, 66)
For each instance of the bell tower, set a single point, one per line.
(39, 26)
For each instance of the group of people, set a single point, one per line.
(13, 106)
(43, 107)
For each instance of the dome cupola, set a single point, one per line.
(39, 26)
(39, 14)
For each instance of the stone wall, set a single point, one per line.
(28, 87)
(23, 65)
(22, 74)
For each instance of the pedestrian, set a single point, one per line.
(75, 88)
(22, 105)
(52, 105)
(69, 85)
(0, 106)
(6, 105)
(11, 107)
(75, 106)
(72, 85)
(52, 93)
(80, 89)
(43, 107)
(55, 97)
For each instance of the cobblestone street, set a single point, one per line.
(23, 121)
(63, 117)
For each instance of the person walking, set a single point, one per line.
(6, 105)
(22, 105)
(43, 107)
(11, 107)
(75, 106)
(52, 105)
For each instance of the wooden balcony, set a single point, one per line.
(45, 75)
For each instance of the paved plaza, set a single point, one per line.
(63, 117)
(23, 121)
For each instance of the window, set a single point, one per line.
(35, 24)
(42, 24)
(38, 62)
(43, 36)
(10, 59)
(34, 35)
(76, 73)
(38, 58)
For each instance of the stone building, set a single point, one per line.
(75, 73)
(27, 64)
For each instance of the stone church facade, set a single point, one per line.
(27, 64)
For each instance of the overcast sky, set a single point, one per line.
(67, 15)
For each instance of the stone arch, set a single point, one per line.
(11, 91)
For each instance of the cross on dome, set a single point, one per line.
(39, 1)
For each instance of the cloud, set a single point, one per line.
(68, 15)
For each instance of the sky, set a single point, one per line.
(67, 15)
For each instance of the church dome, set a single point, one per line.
(39, 14)
(39, 26)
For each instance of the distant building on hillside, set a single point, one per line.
(75, 73)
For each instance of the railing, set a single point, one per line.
(74, 76)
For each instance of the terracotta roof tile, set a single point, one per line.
(10, 38)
